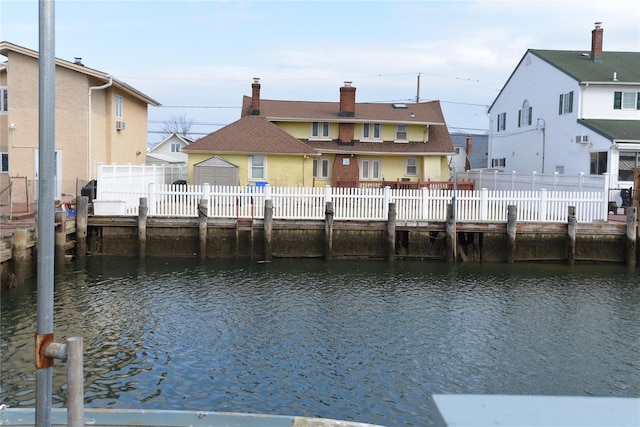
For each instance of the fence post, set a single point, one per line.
(572, 229)
(328, 229)
(327, 194)
(208, 196)
(202, 227)
(142, 228)
(542, 209)
(512, 219)
(387, 201)
(268, 227)
(424, 203)
(152, 199)
(632, 218)
(391, 232)
(605, 191)
(484, 204)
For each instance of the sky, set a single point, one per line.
(199, 57)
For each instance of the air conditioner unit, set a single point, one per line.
(120, 125)
(582, 139)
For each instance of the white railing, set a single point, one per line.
(512, 181)
(358, 204)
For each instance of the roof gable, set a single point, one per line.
(250, 134)
(174, 136)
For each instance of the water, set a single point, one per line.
(355, 340)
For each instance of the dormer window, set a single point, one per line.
(320, 130)
(371, 131)
(401, 133)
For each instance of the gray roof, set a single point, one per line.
(578, 64)
(614, 130)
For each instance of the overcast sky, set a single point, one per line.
(198, 57)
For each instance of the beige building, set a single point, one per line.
(98, 119)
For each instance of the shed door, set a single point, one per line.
(216, 175)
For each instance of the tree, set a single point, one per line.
(180, 125)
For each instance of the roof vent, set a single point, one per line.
(400, 105)
(78, 61)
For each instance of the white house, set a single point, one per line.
(169, 150)
(569, 112)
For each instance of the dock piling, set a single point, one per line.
(143, 210)
(328, 230)
(203, 216)
(572, 228)
(512, 220)
(632, 232)
(268, 228)
(82, 210)
(391, 232)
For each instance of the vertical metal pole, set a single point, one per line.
(75, 382)
(46, 194)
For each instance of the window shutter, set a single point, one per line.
(638, 101)
(570, 102)
(617, 100)
(560, 105)
(519, 117)
(530, 114)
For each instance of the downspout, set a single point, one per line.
(89, 160)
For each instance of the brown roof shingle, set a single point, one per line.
(250, 134)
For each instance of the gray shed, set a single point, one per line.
(215, 171)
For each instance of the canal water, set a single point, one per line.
(355, 340)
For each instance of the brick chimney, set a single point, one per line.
(255, 97)
(469, 145)
(347, 100)
(596, 43)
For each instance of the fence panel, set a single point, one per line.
(360, 204)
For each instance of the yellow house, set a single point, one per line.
(98, 119)
(330, 143)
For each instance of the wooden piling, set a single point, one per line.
(20, 255)
(512, 219)
(391, 232)
(328, 230)
(143, 210)
(60, 238)
(268, 228)
(451, 235)
(572, 229)
(82, 213)
(203, 220)
(632, 232)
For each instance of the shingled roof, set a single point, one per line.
(579, 65)
(250, 134)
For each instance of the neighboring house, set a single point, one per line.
(98, 119)
(169, 150)
(300, 143)
(569, 112)
(471, 151)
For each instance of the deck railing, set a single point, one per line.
(357, 204)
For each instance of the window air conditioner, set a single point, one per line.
(119, 125)
(582, 139)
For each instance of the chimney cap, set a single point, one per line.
(256, 79)
(598, 24)
(347, 84)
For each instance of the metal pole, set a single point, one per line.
(75, 383)
(46, 194)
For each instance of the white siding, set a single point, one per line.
(598, 102)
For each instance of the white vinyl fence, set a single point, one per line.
(357, 204)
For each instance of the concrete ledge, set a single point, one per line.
(468, 410)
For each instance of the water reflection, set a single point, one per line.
(365, 341)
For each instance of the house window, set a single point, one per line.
(4, 100)
(565, 105)
(257, 167)
(401, 132)
(321, 168)
(628, 160)
(502, 121)
(119, 103)
(412, 166)
(4, 162)
(370, 170)
(498, 163)
(320, 130)
(175, 147)
(371, 131)
(598, 163)
(524, 115)
(626, 101)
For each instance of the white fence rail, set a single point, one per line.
(357, 204)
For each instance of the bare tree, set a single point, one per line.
(180, 125)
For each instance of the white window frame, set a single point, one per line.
(255, 167)
(371, 132)
(175, 147)
(4, 100)
(411, 166)
(629, 101)
(402, 133)
(498, 162)
(370, 170)
(524, 115)
(321, 130)
(119, 106)
(322, 168)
